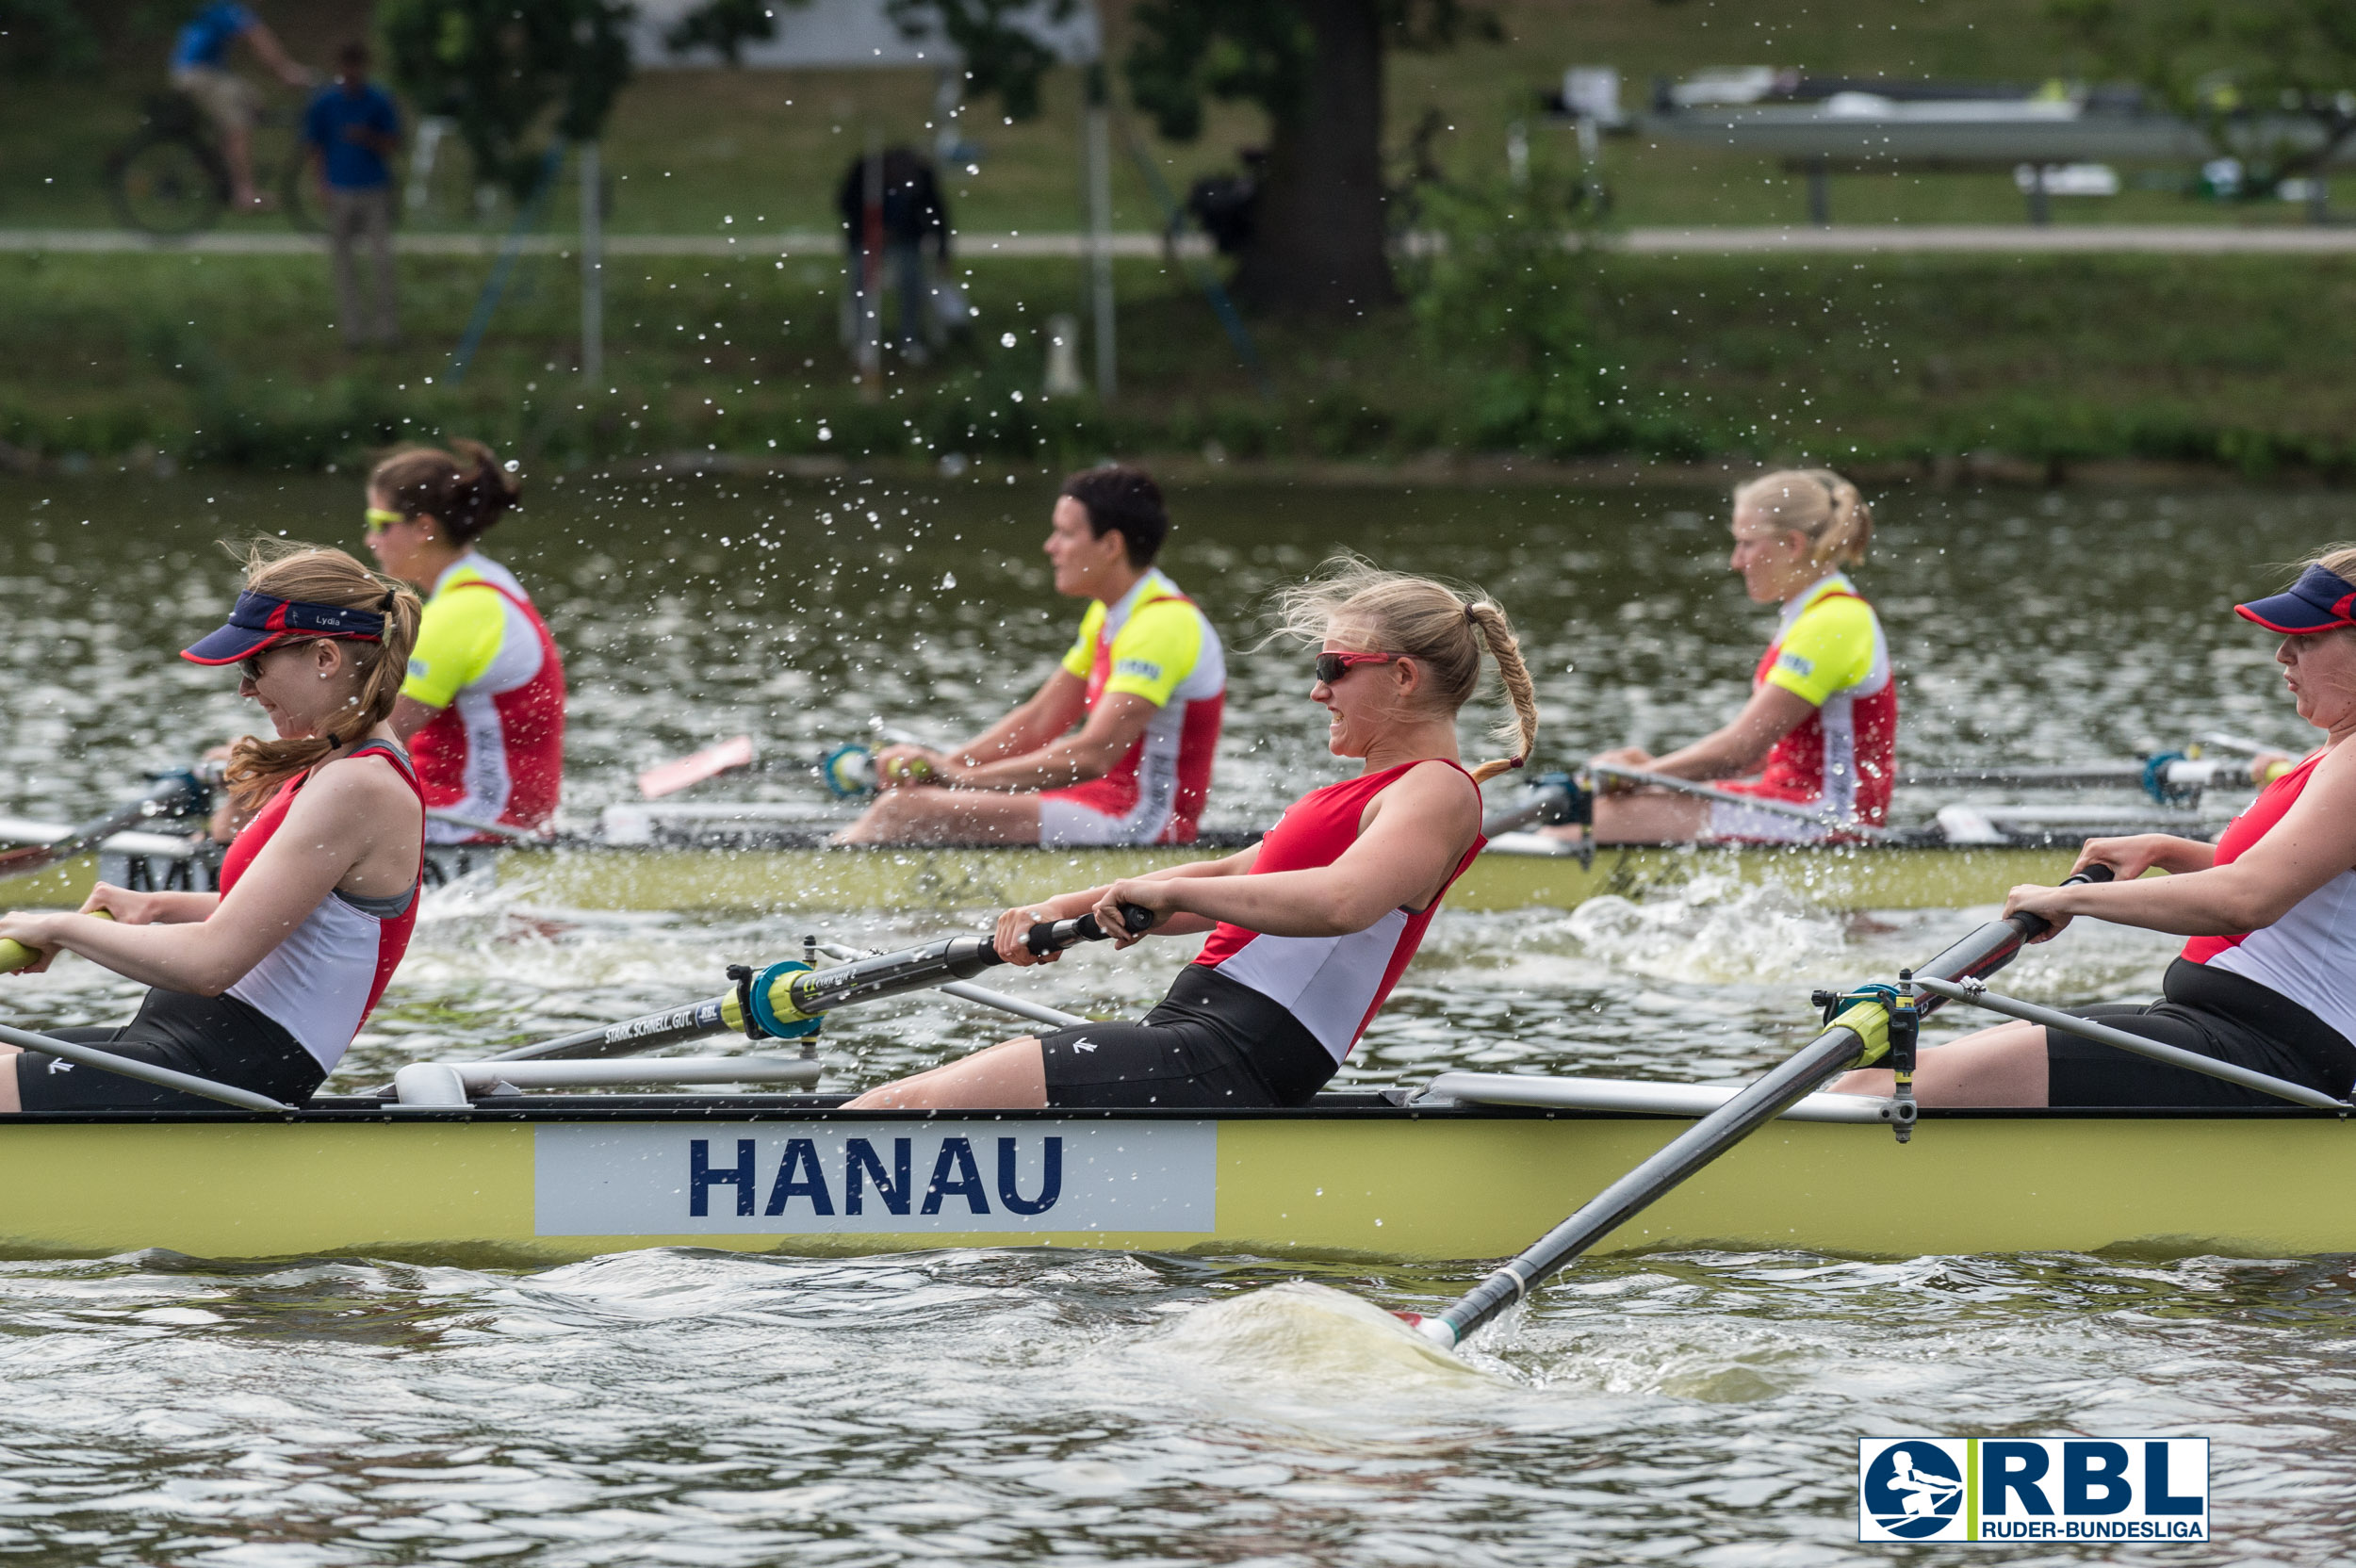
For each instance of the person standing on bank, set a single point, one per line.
(351, 129)
(1145, 680)
(263, 984)
(483, 704)
(2269, 978)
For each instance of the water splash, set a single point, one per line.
(1715, 927)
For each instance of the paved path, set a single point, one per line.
(1847, 240)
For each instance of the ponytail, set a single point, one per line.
(1505, 649)
(466, 489)
(316, 575)
(1817, 503)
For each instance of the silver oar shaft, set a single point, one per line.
(1728, 797)
(965, 991)
(2191, 1061)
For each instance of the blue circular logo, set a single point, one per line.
(1912, 1489)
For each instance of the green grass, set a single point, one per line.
(691, 149)
(2238, 361)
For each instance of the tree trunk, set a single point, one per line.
(1318, 237)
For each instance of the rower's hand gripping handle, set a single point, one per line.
(2033, 926)
(1054, 936)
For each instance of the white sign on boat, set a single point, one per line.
(782, 1178)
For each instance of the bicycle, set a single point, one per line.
(170, 179)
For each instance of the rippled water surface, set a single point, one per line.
(702, 1408)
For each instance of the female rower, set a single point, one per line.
(2268, 979)
(1820, 728)
(263, 984)
(483, 706)
(1312, 926)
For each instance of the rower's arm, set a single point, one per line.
(1051, 711)
(2315, 841)
(332, 826)
(1111, 730)
(1418, 829)
(1740, 748)
(1016, 922)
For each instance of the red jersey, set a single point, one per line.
(1333, 985)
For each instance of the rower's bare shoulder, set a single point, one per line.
(1436, 787)
(359, 784)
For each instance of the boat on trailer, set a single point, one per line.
(528, 1177)
(775, 859)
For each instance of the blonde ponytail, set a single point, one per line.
(1427, 621)
(1818, 504)
(314, 574)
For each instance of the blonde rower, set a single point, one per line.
(1311, 927)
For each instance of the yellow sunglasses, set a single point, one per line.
(380, 519)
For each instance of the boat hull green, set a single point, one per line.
(778, 1176)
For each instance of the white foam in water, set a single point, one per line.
(1302, 1335)
(1714, 927)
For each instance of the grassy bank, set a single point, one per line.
(689, 149)
(2239, 362)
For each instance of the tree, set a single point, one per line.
(1316, 68)
(2272, 83)
(726, 25)
(501, 67)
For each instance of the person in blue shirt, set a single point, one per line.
(199, 68)
(352, 127)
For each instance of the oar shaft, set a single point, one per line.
(1831, 1052)
(33, 857)
(1729, 797)
(1857, 1035)
(806, 994)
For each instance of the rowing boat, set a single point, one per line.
(1352, 1175)
(746, 858)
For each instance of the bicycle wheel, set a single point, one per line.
(166, 185)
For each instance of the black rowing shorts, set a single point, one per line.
(207, 1037)
(1211, 1044)
(2212, 1011)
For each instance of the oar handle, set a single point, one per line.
(15, 955)
(1054, 936)
(2033, 926)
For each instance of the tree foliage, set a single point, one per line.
(2270, 82)
(1260, 52)
(509, 70)
(1004, 58)
(726, 25)
(46, 38)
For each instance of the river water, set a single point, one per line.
(704, 1408)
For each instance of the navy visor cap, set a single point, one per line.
(2318, 601)
(261, 621)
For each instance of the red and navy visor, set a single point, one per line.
(2318, 601)
(261, 621)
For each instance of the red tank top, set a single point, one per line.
(1333, 985)
(499, 756)
(325, 976)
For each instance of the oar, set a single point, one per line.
(176, 790)
(790, 993)
(1858, 1036)
(1757, 802)
(1053, 1018)
(846, 771)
